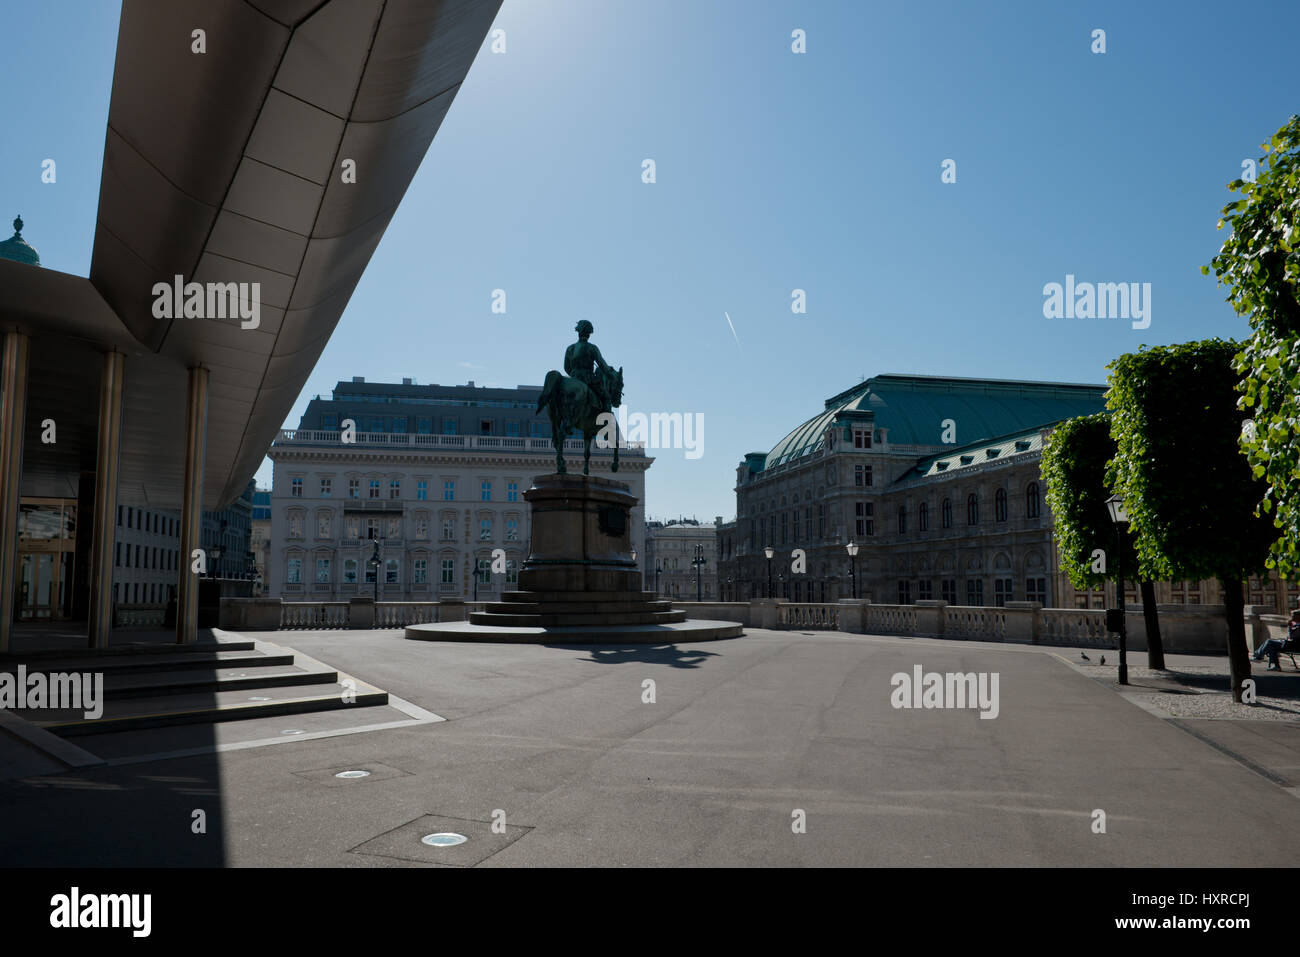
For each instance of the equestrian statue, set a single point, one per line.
(589, 390)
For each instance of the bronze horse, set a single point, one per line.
(571, 404)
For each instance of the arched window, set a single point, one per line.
(902, 519)
(1000, 505)
(946, 513)
(923, 517)
(972, 509)
(1031, 500)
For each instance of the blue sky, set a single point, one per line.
(775, 171)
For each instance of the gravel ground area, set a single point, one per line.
(1182, 693)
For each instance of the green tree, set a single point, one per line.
(1075, 465)
(1191, 498)
(1260, 265)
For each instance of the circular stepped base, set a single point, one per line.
(646, 634)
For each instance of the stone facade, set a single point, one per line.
(669, 551)
(436, 504)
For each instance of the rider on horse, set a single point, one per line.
(583, 361)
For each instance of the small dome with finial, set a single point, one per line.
(17, 249)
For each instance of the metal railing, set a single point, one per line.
(416, 440)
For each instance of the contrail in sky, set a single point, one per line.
(733, 328)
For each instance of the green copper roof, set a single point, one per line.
(977, 453)
(914, 409)
(16, 248)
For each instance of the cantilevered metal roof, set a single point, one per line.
(226, 166)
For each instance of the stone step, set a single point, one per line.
(119, 687)
(584, 596)
(574, 607)
(203, 707)
(143, 664)
(552, 620)
(126, 651)
(685, 631)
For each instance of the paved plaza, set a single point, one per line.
(561, 749)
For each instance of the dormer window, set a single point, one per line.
(862, 438)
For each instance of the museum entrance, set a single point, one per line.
(47, 533)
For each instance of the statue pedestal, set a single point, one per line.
(581, 536)
(579, 583)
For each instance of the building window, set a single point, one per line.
(448, 426)
(323, 526)
(295, 488)
(904, 592)
(322, 571)
(1036, 590)
(1002, 591)
(865, 524)
(1000, 505)
(372, 528)
(948, 590)
(295, 526)
(862, 438)
(794, 521)
(295, 572)
(485, 492)
(485, 571)
(395, 488)
(512, 530)
(972, 509)
(422, 491)
(349, 571)
(1031, 500)
(512, 491)
(485, 530)
(485, 426)
(421, 526)
(902, 519)
(448, 571)
(975, 592)
(449, 491)
(390, 571)
(394, 526)
(424, 426)
(923, 517)
(945, 513)
(399, 424)
(448, 529)
(354, 488)
(374, 488)
(785, 528)
(512, 428)
(925, 590)
(821, 521)
(119, 516)
(421, 571)
(862, 475)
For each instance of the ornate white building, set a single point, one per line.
(433, 487)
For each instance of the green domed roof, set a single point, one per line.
(17, 249)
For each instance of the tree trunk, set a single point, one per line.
(1155, 648)
(1234, 607)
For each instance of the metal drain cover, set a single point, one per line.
(353, 774)
(444, 839)
(293, 731)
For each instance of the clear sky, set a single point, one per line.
(818, 171)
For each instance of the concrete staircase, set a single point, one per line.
(544, 609)
(153, 686)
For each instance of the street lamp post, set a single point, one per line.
(699, 561)
(1118, 515)
(769, 551)
(853, 567)
(374, 563)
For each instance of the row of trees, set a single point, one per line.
(1201, 439)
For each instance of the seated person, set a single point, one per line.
(1273, 646)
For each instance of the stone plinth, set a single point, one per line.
(581, 536)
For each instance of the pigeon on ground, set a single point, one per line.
(1084, 656)
(1103, 659)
